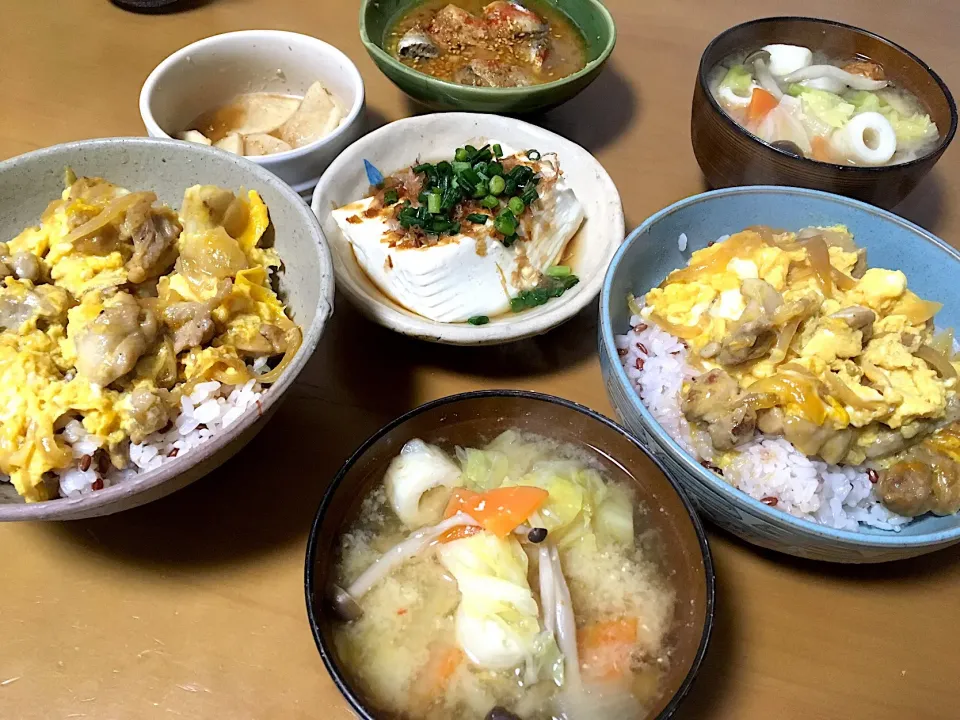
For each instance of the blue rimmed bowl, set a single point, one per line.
(652, 251)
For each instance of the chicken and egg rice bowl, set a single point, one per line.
(131, 333)
(804, 378)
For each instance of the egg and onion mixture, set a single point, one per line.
(791, 334)
(115, 306)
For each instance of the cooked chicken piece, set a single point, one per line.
(110, 346)
(510, 20)
(927, 479)
(149, 413)
(716, 399)
(25, 266)
(154, 235)
(805, 436)
(270, 341)
(754, 335)
(204, 207)
(455, 27)
(836, 446)
(191, 323)
(46, 302)
(488, 73)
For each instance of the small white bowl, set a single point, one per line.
(430, 138)
(213, 71)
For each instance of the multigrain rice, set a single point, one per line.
(767, 468)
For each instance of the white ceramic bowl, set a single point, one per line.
(431, 138)
(213, 71)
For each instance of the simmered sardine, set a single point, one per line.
(417, 44)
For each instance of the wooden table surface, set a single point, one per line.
(193, 606)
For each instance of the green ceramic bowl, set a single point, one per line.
(590, 16)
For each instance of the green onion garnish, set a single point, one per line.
(459, 166)
(390, 196)
(433, 203)
(517, 304)
(505, 223)
(553, 287)
(497, 185)
(509, 240)
(479, 218)
(533, 155)
(482, 189)
(494, 168)
(530, 195)
(559, 271)
(479, 320)
(497, 151)
(490, 202)
(422, 168)
(461, 155)
(516, 205)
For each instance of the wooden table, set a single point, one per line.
(193, 606)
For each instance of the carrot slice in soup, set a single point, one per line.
(761, 102)
(500, 510)
(458, 533)
(820, 149)
(605, 648)
(432, 680)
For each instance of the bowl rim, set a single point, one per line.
(55, 508)
(183, 54)
(378, 307)
(326, 655)
(469, 92)
(935, 153)
(889, 538)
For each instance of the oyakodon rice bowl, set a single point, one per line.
(825, 395)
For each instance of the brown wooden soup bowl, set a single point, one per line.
(472, 419)
(731, 156)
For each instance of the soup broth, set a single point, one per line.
(498, 44)
(417, 652)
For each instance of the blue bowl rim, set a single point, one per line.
(936, 153)
(309, 581)
(806, 527)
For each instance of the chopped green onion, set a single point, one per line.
(422, 168)
(559, 271)
(459, 166)
(509, 240)
(479, 218)
(454, 228)
(505, 223)
(481, 167)
(391, 196)
(530, 195)
(516, 205)
(483, 154)
(569, 281)
(433, 203)
(461, 155)
(444, 167)
(469, 176)
(517, 304)
(533, 155)
(482, 189)
(497, 151)
(471, 151)
(479, 320)
(494, 168)
(511, 186)
(490, 202)
(497, 185)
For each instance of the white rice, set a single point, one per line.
(765, 468)
(209, 409)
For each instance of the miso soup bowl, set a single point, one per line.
(590, 17)
(730, 156)
(478, 417)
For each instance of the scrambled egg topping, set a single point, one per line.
(114, 306)
(808, 332)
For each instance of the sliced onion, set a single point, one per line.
(842, 392)
(403, 551)
(112, 212)
(943, 342)
(685, 332)
(814, 72)
(844, 282)
(938, 361)
(633, 304)
(819, 257)
(784, 338)
(294, 340)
